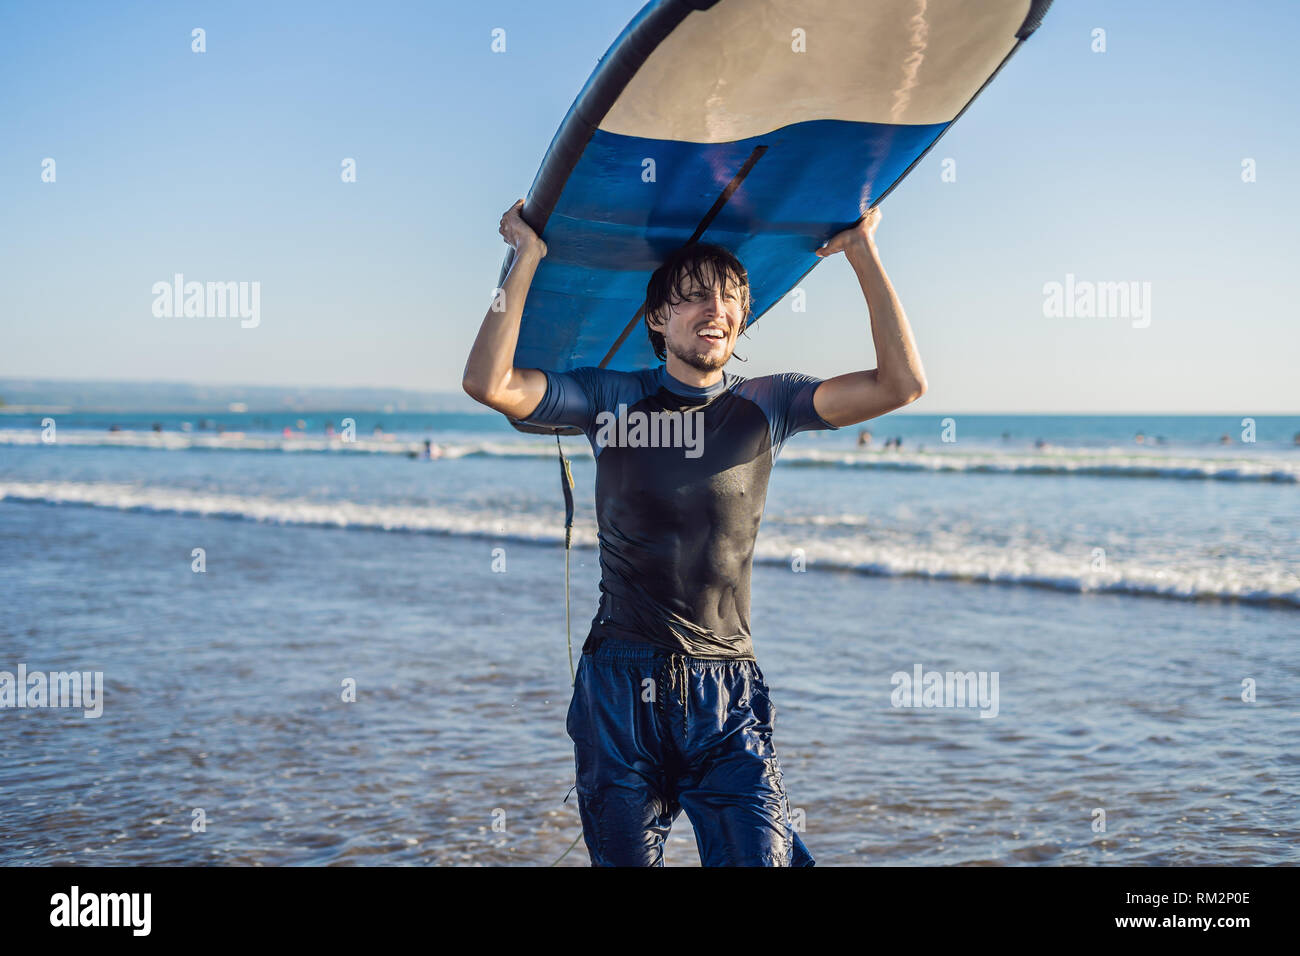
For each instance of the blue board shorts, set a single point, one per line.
(655, 733)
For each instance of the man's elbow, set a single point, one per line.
(910, 391)
(476, 390)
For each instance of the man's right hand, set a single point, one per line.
(490, 376)
(517, 233)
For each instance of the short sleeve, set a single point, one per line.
(570, 399)
(801, 412)
(787, 401)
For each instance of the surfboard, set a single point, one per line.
(765, 126)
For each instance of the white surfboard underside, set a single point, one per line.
(732, 72)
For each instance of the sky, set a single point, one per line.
(1115, 166)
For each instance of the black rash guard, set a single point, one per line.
(680, 486)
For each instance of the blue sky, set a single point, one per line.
(1115, 166)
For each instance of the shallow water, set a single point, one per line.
(223, 693)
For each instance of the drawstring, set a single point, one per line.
(685, 694)
(682, 693)
(662, 682)
(669, 670)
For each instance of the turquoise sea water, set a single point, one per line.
(1125, 594)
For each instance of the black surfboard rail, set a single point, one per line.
(611, 76)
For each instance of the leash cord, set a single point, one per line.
(566, 486)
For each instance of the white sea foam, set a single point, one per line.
(241, 441)
(1107, 463)
(338, 514)
(952, 556)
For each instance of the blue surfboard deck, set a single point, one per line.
(705, 121)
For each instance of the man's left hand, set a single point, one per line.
(863, 236)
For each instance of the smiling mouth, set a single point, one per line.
(711, 335)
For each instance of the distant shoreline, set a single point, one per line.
(28, 396)
(54, 396)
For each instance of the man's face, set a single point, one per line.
(702, 329)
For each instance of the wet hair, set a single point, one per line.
(670, 283)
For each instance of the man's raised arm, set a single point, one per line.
(490, 376)
(899, 379)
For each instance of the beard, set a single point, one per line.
(701, 361)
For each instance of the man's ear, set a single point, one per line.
(654, 321)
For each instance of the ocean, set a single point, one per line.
(324, 649)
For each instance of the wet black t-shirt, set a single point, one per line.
(681, 480)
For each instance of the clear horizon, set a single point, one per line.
(9, 406)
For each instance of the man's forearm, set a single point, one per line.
(897, 359)
(491, 360)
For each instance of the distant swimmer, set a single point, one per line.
(1039, 443)
(429, 453)
(1296, 439)
(1140, 438)
(1225, 439)
(864, 439)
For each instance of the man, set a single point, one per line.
(670, 710)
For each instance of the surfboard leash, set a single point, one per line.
(566, 486)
